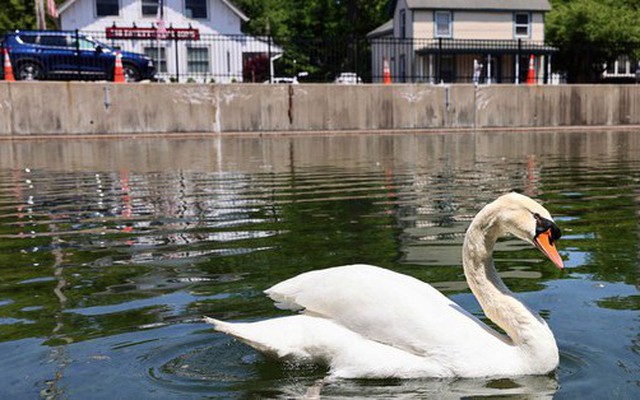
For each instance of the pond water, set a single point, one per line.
(112, 250)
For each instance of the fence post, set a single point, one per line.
(175, 44)
(78, 54)
(439, 70)
(356, 56)
(270, 62)
(517, 66)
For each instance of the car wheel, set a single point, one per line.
(131, 73)
(28, 71)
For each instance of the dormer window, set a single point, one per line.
(150, 8)
(196, 9)
(443, 24)
(107, 7)
(522, 24)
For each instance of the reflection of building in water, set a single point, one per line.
(169, 212)
(445, 189)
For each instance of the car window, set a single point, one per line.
(31, 39)
(85, 44)
(59, 41)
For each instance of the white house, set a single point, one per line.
(454, 40)
(219, 53)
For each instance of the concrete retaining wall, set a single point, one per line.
(42, 108)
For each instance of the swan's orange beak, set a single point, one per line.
(544, 242)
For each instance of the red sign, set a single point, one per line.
(152, 33)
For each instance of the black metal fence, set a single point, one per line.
(207, 59)
(69, 55)
(462, 60)
(258, 59)
(255, 59)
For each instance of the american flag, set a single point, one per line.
(162, 30)
(52, 8)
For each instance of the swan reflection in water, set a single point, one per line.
(524, 387)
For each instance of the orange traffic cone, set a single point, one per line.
(531, 74)
(386, 72)
(118, 73)
(8, 70)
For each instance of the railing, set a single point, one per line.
(210, 58)
(461, 60)
(258, 59)
(249, 59)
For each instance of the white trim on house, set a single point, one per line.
(236, 10)
(233, 8)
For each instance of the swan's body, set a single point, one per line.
(368, 322)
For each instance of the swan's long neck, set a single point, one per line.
(498, 302)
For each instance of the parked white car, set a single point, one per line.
(348, 78)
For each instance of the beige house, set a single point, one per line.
(488, 41)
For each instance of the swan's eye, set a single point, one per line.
(544, 225)
(555, 232)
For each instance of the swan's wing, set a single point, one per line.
(386, 307)
(319, 339)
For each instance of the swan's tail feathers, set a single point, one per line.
(220, 326)
(297, 336)
(248, 333)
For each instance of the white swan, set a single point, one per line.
(368, 322)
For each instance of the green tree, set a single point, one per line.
(590, 33)
(321, 37)
(17, 14)
(20, 14)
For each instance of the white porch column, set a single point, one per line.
(431, 79)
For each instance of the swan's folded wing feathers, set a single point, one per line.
(378, 304)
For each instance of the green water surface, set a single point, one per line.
(112, 250)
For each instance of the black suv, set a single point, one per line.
(70, 55)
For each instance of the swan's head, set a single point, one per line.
(529, 221)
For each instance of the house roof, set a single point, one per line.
(232, 7)
(502, 5)
(382, 30)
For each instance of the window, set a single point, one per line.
(83, 44)
(160, 63)
(522, 24)
(31, 39)
(59, 41)
(198, 59)
(107, 7)
(443, 24)
(150, 8)
(623, 65)
(403, 24)
(195, 8)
